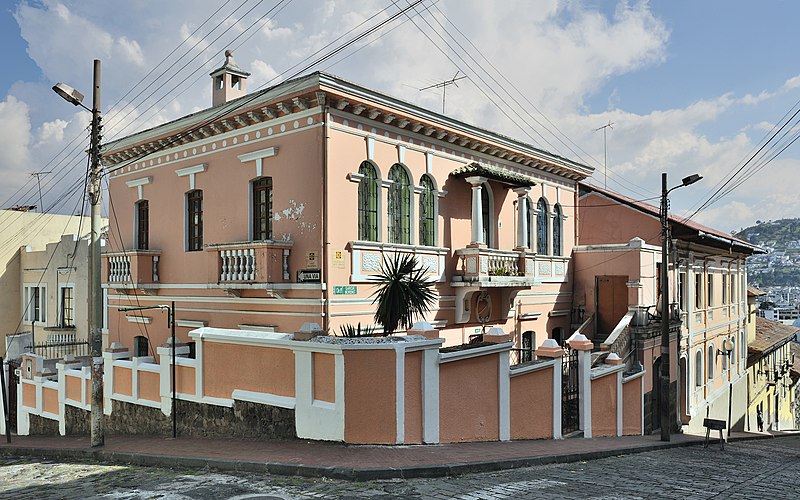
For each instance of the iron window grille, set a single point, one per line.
(368, 203)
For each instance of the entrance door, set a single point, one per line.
(655, 397)
(612, 304)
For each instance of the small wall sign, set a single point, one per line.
(309, 276)
(345, 290)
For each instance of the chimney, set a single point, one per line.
(228, 82)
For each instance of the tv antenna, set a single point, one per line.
(38, 176)
(604, 128)
(443, 85)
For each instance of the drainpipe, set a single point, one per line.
(325, 241)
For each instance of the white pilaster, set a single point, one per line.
(504, 398)
(477, 209)
(430, 396)
(558, 388)
(522, 212)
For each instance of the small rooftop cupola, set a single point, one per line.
(228, 82)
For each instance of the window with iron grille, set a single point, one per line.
(142, 225)
(399, 206)
(262, 208)
(542, 227)
(140, 346)
(557, 230)
(67, 306)
(194, 201)
(368, 203)
(427, 212)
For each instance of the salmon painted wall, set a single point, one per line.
(632, 407)
(297, 209)
(185, 377)
(604, 406)
(149, 386)
(72, 386)
(122, 381)
(462, 383)
(614, 223)
(532, 405)
(370, 397)
(250, 368)
(29, 395)
(50, 400)
(413, 397)
(324, 377)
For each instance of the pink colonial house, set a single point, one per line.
(617, 268)
(264, 218)
(274, 209)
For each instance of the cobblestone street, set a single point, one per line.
(750, 469)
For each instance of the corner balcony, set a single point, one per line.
(487, 267)
(131, 269)
(250, 264)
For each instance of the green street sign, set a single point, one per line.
(345, 290)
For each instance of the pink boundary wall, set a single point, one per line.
(390, 393)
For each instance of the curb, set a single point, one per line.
(345, 473)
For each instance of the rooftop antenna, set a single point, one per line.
(38, 176)
(443, 85)
(604, 128)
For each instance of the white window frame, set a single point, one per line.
(26, 299)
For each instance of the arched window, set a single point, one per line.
(262, 208)
(486, 212)
(399, 206)
(542, 227)
(368, 203)
(557, 230)
(427, 212)
(710, 362)
(698, 368)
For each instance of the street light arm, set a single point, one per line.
(70, 95)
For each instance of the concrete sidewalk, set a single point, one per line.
(335, 460)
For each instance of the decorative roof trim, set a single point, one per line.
(494, 173)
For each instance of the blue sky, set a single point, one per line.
(691, 86)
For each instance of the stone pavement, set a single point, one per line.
(335, 460)
(765, 468)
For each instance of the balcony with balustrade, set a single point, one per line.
(249, 264)
(488, 267)
(129, 269)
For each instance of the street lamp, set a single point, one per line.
(665, 401)
(95, 290)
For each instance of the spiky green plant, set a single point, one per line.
(403, 293)
(349, 330)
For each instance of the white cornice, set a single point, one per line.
(139, 182)
(196, 169)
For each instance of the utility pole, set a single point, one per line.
(664, 401)
(95, 287)
(443, 85)
(38, 176)
(604, 128)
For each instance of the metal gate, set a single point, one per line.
(570, 416)
(13, 381)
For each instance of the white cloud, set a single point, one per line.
(52, 131)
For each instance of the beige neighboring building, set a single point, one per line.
(19, 231)
(55, 292)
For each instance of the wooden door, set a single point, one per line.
(612, 304)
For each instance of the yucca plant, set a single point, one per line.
(403, 293)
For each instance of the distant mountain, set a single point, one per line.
(781, 266)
